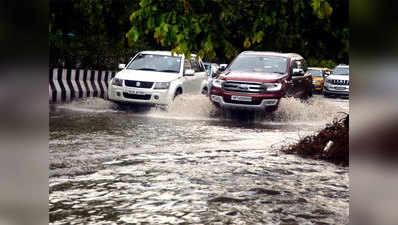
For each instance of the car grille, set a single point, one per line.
(340, 82)
(254, 102)
(138, 84)
(133, 96)
(243, 87)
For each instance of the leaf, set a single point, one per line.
(246, 43)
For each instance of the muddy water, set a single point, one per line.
(191, 164)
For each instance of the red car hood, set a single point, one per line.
(252, 76)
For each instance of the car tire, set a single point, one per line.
(120, 105)
(178, 92)
(204, 91)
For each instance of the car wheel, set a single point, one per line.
(271, 109)
(204, 91)
(178, 92)
(120, 105)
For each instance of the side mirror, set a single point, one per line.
(298, 72)
(189, 72)
(122, 66)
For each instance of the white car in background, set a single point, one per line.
(156, 78)
(338, 83)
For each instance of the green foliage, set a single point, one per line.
(217, 30)
(91, 28)
(220, 29)
(322, 8)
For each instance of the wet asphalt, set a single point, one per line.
(191, 164)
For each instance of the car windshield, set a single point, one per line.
(159, 63)
(315, 73)
(341, 71)
(270, 64)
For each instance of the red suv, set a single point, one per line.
(258, 80)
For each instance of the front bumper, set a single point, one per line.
(260, 102)
(138, 95)
(332, 90)
(261, 107)
(317, 86)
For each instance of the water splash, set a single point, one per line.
(199, 107)
(191, 106)
(93, 105)
(314, 109)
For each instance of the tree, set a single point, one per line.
(223, 28)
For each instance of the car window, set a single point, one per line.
(316, 73)
(304, 65)
(153, 62)
(267, 64)
(201, 67)
(187, 65)
(341, 71)
(293, 65)
(299, 64)
(196, 66)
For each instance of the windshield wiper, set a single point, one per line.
(172, 71)
(149, 69)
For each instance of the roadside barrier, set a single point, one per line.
(66, 85)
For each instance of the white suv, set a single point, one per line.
(338, 83)
(156, 78)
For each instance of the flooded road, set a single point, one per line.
(191, 165)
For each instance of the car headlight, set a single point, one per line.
(217, 83)
(272, 86)
(117, 82)
(162, 85)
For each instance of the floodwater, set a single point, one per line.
(191, 164)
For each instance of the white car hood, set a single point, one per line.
(338, 77)
(142, 75)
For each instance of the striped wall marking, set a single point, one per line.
(66, 86)
(69, 82)
(82, 84)
(97, 87)
(52, 86)
(63, 90)
(79, 85)
(56, 85)
(91, 82)
(104, 89)
(107, 80)
(90, 87)
(74, 85)
(50, 93)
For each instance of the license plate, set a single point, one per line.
(241, 98)
(340, 88)
(132, 92)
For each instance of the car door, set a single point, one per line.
(298, 80)
(188, 84)
(199, 77)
